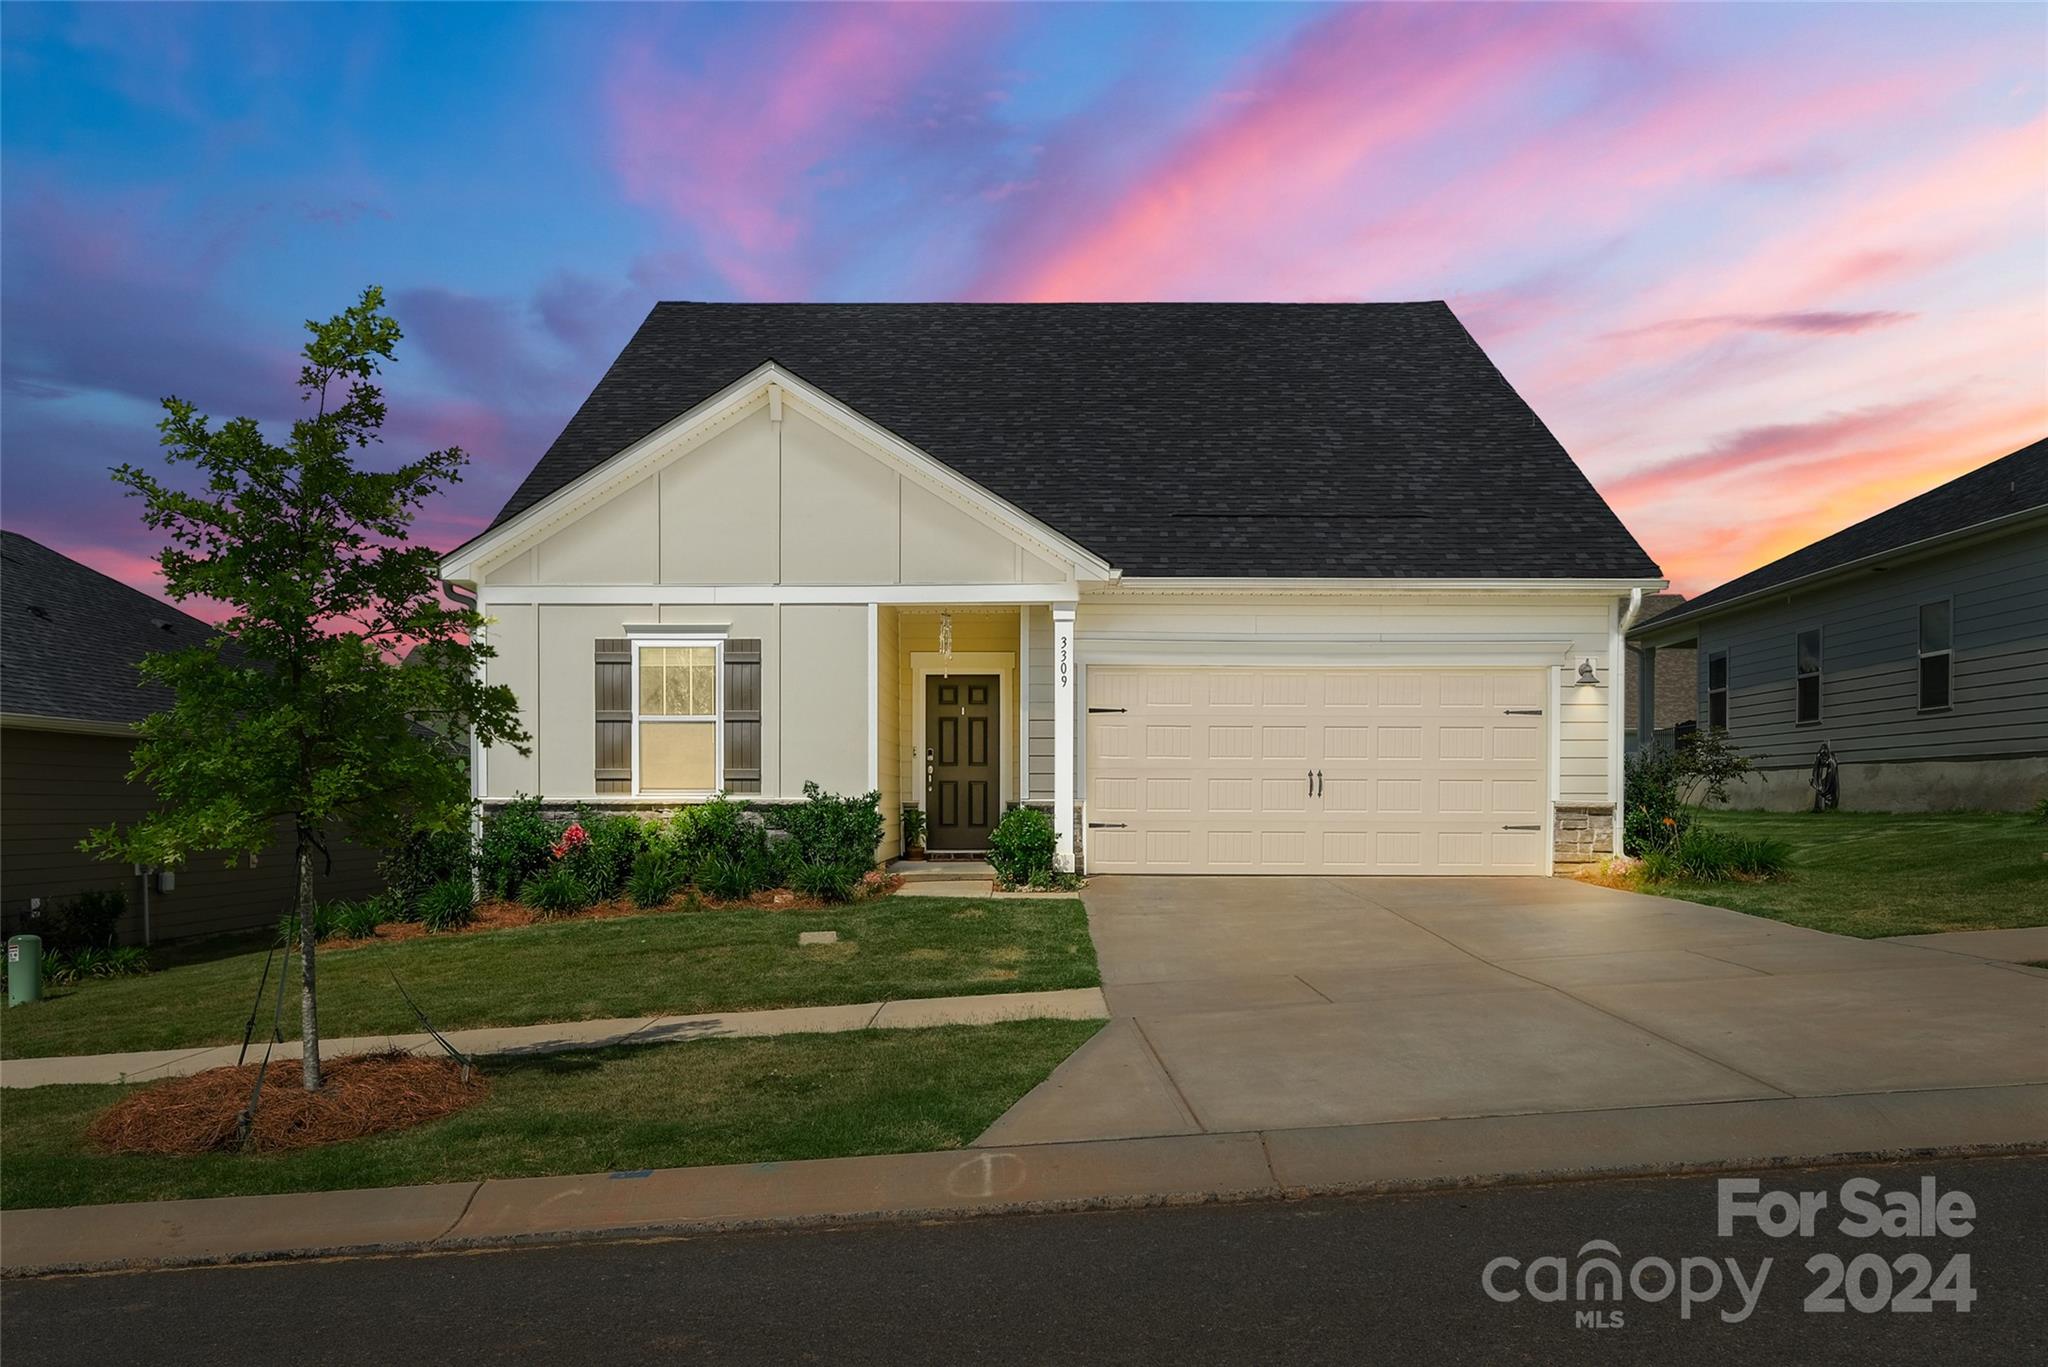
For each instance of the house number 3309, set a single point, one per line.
(1063, 660)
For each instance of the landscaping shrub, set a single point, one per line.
(718, 828)
(68, 968)
(1705, 855)
(516, 844)
(827, 882)
(87, 921)
(358, 920)
(736, 876)
(613, 841)
(1653, 818)
(425, 859)
(558, 891)
(657, 876)
(1021, 848)
(834, 831)
(448, 905)
(323, 924)
(1660, 788)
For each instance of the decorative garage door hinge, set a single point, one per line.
(1521, 828)
(1107, 709)
(1106, 825)
(1522, 712)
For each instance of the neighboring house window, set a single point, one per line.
(1937, 654)
(1717, 689)
(1807, 704)
(676, 733)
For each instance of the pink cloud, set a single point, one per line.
(739, 149)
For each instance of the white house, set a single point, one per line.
(1243, 588)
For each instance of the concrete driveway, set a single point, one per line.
(1275, 1003)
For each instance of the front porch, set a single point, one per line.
(968, 718)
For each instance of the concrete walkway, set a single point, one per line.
(1072, 1004)
(1282, 1003)
(2019, 946)
(989, 1180)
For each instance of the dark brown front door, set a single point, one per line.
(961, 765)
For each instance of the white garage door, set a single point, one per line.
(1399, 771)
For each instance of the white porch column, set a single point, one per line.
(1063, 671)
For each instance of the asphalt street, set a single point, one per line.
(1394, 1279)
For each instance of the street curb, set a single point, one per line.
(1098, 1175)
(770, 1224)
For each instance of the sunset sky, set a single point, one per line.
(1763, 269)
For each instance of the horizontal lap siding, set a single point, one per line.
(1870, 662)
(56, 787)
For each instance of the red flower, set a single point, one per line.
(575, 838)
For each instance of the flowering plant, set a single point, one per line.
(573, 840)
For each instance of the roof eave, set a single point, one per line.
(1679, 626)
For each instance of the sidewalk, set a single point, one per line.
(1081, 1003)
(1180, 1169)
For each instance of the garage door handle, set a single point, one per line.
(1522, 712)
(1521, 828)
(1319, 783)
(1117, 826)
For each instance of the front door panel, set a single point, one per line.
(962, 760)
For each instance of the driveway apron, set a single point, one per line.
(1275, 1003)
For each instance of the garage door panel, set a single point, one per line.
(1416, 771)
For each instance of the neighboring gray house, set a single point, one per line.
(70, 695)
(1677, 681)
(1914, 644)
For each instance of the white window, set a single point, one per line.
(678, 742)
(1806, 701)
(1937, 655)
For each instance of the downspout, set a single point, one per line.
(1628, 617)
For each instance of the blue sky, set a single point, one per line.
(1786, 258)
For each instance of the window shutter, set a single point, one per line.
(614, 715)
(742, 716)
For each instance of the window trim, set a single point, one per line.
(1819, 674)
(1727, 677)
(1922, 655)
(716, 718)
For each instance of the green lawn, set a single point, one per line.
(1873, 874)
(675, 962)
(656, 1106)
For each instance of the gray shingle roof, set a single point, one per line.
(70, 638)
(1227, 440)
(2013, 484)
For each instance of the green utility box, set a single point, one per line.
(24, 969)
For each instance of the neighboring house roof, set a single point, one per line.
(70, 639)
(1184, 440)
(2005, 488)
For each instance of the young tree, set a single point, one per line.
(298, 710)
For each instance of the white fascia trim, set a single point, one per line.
(470, 561)
(1240, 587)
(1329, 651)
(761, 595)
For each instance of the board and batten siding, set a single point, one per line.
(1870, 633)
(57, 786)
(1410, 621)
(772, 503)
(756, 503)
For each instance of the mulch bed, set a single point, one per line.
(512, 915)
(361, 1095)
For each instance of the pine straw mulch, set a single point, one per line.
(361, 1095)
(514, 915)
